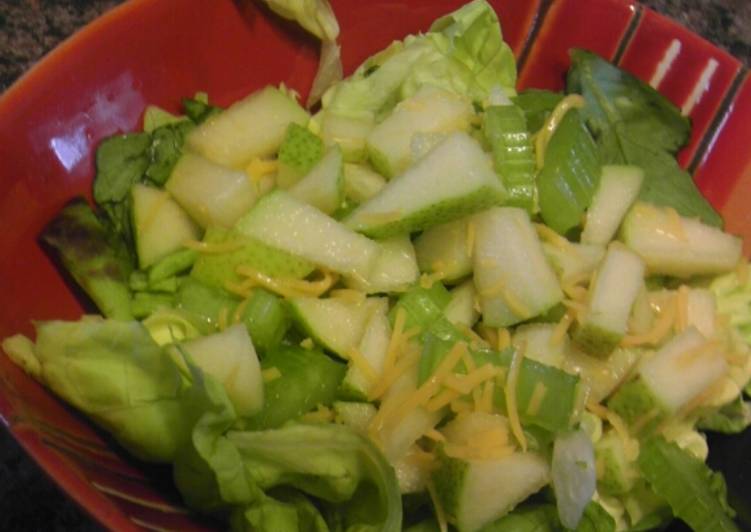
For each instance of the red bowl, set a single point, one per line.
(99, 82)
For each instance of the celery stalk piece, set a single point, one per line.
(505, 127)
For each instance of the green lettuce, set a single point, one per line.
(544, 518)
(732, 418)
(97, 260)
(463, 52)
(634, 124)
(240, 472)
(695, 493)
(316, 16)
(113, 372)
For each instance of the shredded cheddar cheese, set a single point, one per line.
(222, 319)
(270, 374)
(542, 137)
(307, 343)
(434, 435)
(471, 236)
(237, 316)
(510, 393)
(260, 168)
(538, 395)
(561, 328)
(362, 364)
(440, 513)
(741, 272)
(289, 287)
(214, 248)
(681, 320)
(660, 328)
(427, 280)
(504, 339)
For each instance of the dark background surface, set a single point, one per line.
(30, 28)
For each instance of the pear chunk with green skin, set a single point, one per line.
(323, 186)
(618, 189)
(571, 259)
(218, 269)
(617, 283)
(358, 381)
(671, 244)
(475, 493)
(212, 194)
(283, 222)
(252, 127)
(229, 357)
(395, 269)
(160, 225)
(445, 249)
(430, 110)
(461, 308)
(678, 372)
(454, 179)
(513, 278)
(335, 323)
(301, 149)
(361, 183)
(348, 133)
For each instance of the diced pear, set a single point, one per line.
(252, 127)
(455, 179)
(212, 194)
(373, 347)
(229, 357)
(323, 186)
(618, 281)
(462, 310)
(429, 110)
(281, 221)
(300, 151)
(618, 189)
(361, 183)
(671, 244)
(346, 132)
(445, 249)
(161, 226)
(395, 269)
(512, 276)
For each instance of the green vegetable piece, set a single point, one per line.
(634, 401)
(505, 128)
(155, 117)
(301, 149)
(205, 302)
(695, 493)
(596, 519)
(145, 304)
(165, 149)
(267, 319)
(537, 104)
(570, 174)
(287, 511)
(531, 518)
(121, 161)
(308, 379)
(616, 473)
(645, 132)
(218, 269)
(174, 263)
(732, 418)
(113, 372)
(97, 260)
(422, 305)
(199, 110)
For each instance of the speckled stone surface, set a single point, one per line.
(30, 28)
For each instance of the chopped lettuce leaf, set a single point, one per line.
(731, 418)
(463, 52)
(98, 261)
(634, 124)
(316, 16)
(695, 493)
(286, 511)
(531, 518)
(165, 149)
(113, 372)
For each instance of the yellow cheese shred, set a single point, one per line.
(260, 168)
(675, 224)
(271, 374)
(660, 328)
(289, 287)
(486, 399)
(631, 446)
(538, 395)
(427, 280)
(504, 339)
(510, 393)
(741, 271)
(542, 137)
(444, 398)
(471, 236)
(238, 314)
(307, 343)
(681, 319)
(223, 318)
(349, 295)
(561, 328)
(362, 364)
(214, 248)
(322, 414)
(434, 435)
(440, 513)
(404, 364)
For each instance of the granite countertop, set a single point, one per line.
(30, 28)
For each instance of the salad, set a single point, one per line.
(425, 302)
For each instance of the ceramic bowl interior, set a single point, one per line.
(99, 82)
